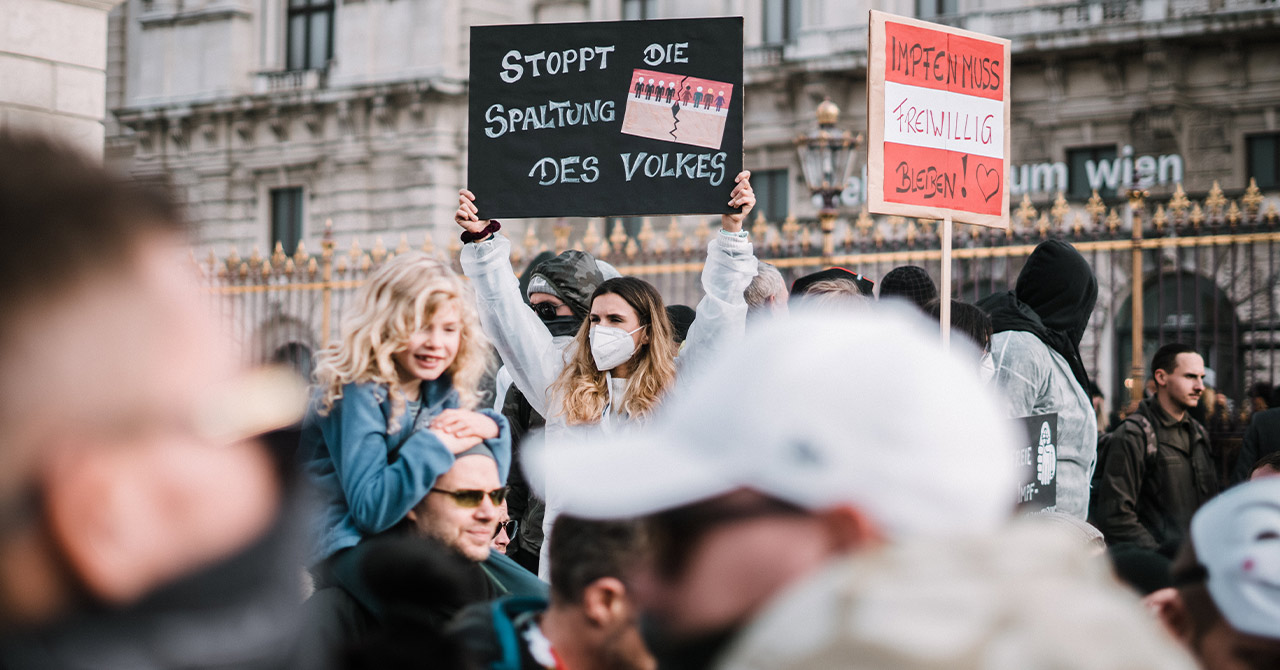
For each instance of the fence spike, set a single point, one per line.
(1197, 215)
(312, 267)
(632, 248)
(244, 271)
(379, 252)
(1077, 227)
(1252, 198)
(1095, 208)
(355, 252)
(428, 245)
(1159, 218)
(1233, 213)
(1059, 209)
(1271, 211)
(255, 258)
(1042, 226)
(1179, 202)
(266, 270)
(646, 235)
(365, 264)
(789, 229)
(1216, 200)
(277, 254)
(1113, 221)
(674, 234)
(619, 235)
(289, 267)
(403, 246)
(591, 237)
(1025, 212)
(342, 265)
(912, 230)
(300, 255)
(233, 260)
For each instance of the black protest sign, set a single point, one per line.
(606, 118)
(1038, 464)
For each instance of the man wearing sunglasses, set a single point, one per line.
(796, 523)
(457, 519)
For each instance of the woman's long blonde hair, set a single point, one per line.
(398, 300)
(653, 366)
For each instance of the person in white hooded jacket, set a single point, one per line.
(622, 359)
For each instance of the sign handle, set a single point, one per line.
(944, 292)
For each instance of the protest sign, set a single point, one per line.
(1037, 460)
(938, 120)
(605, 118)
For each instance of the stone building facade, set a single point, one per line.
(53, 62)
(273, 116)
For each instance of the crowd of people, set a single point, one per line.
(779, 477)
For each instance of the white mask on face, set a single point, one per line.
(611, 347)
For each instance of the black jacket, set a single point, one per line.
(1262, 438)
(1148, 499)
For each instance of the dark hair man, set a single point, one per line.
(142, 519)
(591, 620)
(1225, 607)
(1156, 470)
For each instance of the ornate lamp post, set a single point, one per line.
(826, 158)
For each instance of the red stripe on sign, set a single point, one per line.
(939, 60)
(941, 178)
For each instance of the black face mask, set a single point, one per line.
(672, 652)
(562, 325)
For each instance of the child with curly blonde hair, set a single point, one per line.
(395, 401)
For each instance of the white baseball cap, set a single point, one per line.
(820, 410)
(1237, 539)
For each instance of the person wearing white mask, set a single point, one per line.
(622, 360)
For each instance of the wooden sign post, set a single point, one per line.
(938, 126)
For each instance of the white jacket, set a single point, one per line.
(535, 361)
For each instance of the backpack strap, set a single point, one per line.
(1148, 432)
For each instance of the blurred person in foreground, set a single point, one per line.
(144, 526)
(788, 530)
(1155, 469)
(1225, 607)
(591, 620)
(1036, 352)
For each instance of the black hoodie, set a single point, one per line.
(1053, 300)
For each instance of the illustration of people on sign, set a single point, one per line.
(678, 108)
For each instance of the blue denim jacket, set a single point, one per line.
(366, 478)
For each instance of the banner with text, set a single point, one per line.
(607, 118)
(1038, 464)
(938, 120)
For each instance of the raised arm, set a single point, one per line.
(731, 264)
(522, 340)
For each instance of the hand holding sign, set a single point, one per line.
(742, 196)
(467, 214)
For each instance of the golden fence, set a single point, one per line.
(1208, 269)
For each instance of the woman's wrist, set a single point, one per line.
(482, 235)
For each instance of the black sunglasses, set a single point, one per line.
(472, 498)
(509, 526)
(545, 310)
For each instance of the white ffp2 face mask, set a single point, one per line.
(611, 347)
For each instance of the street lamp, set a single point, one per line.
(826, 158)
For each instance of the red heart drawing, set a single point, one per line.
(988, 181)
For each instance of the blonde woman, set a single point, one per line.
(395, 400)
(622, 361)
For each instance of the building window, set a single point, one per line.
(1090, 169)
(781, 21)
(927, 9)
(286, 217)
(635, 10)
(310, 39)
(1264, 159)
(772, 194)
